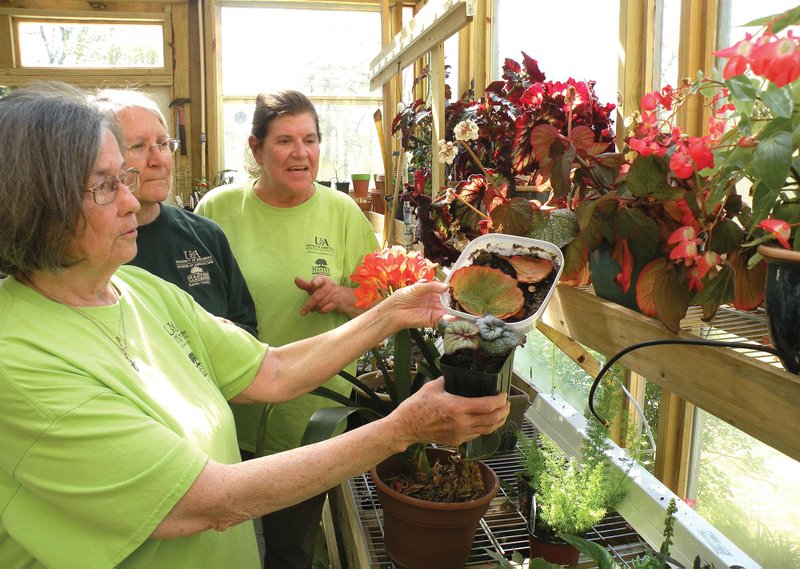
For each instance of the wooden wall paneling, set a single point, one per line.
(213, 86)
(7, 48)
(182, 164)
(760, 399)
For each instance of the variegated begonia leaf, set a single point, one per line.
(460, 334)
(483, 290)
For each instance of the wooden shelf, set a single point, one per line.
(755, 396)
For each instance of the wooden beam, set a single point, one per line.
(674, 442)
(213, 86)
(758, 398)
(436, 79)
(695, 53)
(182, 164)
(197, 91)
(479, 37)
(634, 64)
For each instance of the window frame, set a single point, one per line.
(13, 73)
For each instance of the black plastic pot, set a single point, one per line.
(470, 383)
(343, 187)
(782, 298)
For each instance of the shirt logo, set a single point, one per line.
(321, 268)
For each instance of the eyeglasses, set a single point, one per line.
(104, 190)
(141, 150)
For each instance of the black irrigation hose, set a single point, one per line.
(710, 343)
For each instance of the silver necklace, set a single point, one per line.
(120, 339)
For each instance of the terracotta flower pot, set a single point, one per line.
(782, 292)
(559, 552)
(429, 535)
(360, 184)
(378, 203)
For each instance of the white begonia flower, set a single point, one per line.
(447, 152)
(466, 130)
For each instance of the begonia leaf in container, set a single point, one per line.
(531, 269)
(484, 290)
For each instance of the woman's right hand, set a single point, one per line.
(415, 306)
(432, 415)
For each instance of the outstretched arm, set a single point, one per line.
(225, 495)
(297, 368)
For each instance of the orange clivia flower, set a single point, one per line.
(384, 271)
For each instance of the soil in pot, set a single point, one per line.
(429, 535)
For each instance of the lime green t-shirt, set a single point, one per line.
(326, 235)
(94, 454)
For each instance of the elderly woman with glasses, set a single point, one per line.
(118, 446)
(187, 250)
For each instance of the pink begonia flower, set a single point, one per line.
(739, 55)
(686, 233)
(779, 228)
(778, 61)
(695, 281)
(649, 102)
(708, 261)
(686, 250)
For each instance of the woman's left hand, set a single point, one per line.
(326, 296)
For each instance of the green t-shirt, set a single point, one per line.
(93, 454)
(326, 235)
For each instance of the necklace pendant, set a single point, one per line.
(133, 364)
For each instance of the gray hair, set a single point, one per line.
(276, 105)
(117, 100)
(50, 137)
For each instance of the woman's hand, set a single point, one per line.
(326, 296)
(415, 306)
(432, 415)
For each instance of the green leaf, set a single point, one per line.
(592, 550)
(716, 291)
(742, 88)
(483, 447)
(779, 100)
(558, 226)
(514, 216)
(328, 421)
(726, 237)
(641, 232)
(402, 365)
(648, 177)
(773, 158)
(483, 290)
(779, 21)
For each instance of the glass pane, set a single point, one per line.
(585, 48)
(262, 53)
(666, 56)
(61, 44)
(749, 492)
(349, 139)
(735, 14)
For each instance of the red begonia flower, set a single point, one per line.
(779, 228)
(681, 165)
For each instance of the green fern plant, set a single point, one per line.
(571, 495)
